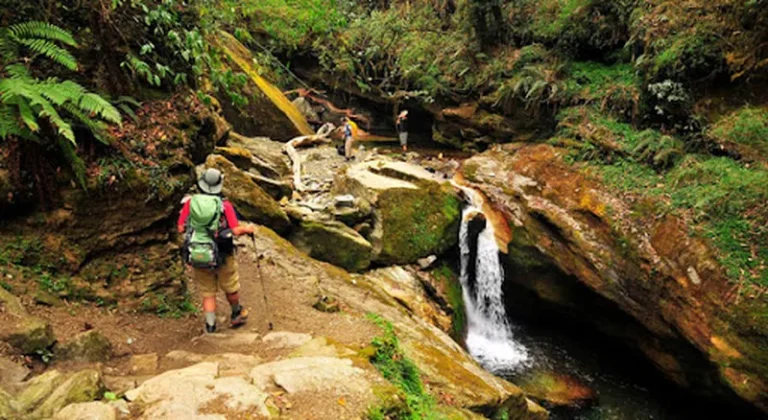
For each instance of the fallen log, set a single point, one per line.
(321, 137)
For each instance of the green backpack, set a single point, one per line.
(201, 250)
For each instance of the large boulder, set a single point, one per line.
(83, 386)
(11, 375)
(312, 374)
(38, 389)
(31, 335)
(95, 410)
(90, 346)
(406, 287)
(185, 392)
(333, 242)
(28, 334)
(6, 406)
(588, 252)
(415, 213)
(248, 197)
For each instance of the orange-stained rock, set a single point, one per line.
(558, 389)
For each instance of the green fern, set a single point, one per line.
(34, 109)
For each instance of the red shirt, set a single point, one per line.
(230, 217)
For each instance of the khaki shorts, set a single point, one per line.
(403, 139)
(225, 277)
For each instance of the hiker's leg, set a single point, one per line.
(229, 281)
(348, 148)
(206, 282)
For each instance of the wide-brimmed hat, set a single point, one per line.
(211, 182)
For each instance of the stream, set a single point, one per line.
(627, 387)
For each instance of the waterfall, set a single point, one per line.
(489, 336)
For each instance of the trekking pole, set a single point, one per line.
(261, 280)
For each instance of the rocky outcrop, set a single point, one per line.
(28, 334)
(576, 242)
(405, 286)
(415, 214)
(475, 125)
(44, 395)
(90, 346)
(248, 197)
(95, 410)
(333, 242)
(186, 392)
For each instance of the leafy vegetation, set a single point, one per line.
(35, 109)
(398, 369)
(168, 307)
(746, 126)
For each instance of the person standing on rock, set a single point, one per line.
(401, 124)
(348, 139)
(209, 223)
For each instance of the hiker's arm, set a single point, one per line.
(234, 224)
(244, 229)
(183, 216)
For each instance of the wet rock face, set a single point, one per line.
(668, 283)
(414, 214)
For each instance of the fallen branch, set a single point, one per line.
(321, 137)
(314, 95)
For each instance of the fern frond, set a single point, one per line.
(18, 72)
(26, 113)
(75, 162)
(41, 105)
(42, 30)
(95, 104)
(96, 127)
(47, 48)
(129, 100)
(129, 112)
(61, 92)
(9, 126)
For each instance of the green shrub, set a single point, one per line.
(748, 126)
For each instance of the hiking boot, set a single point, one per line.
(239, 317)
(210, 329)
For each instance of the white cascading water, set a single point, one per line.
(489, 336)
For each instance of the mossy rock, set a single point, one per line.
(417, 223)
(90, 346)
(31, 335)
(38, 389)
(248, 198)
(6, 407)
(82, 386)
(333, 242)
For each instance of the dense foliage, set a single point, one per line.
(36, 109)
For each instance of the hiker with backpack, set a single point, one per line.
(348, 139)
(209, 224)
